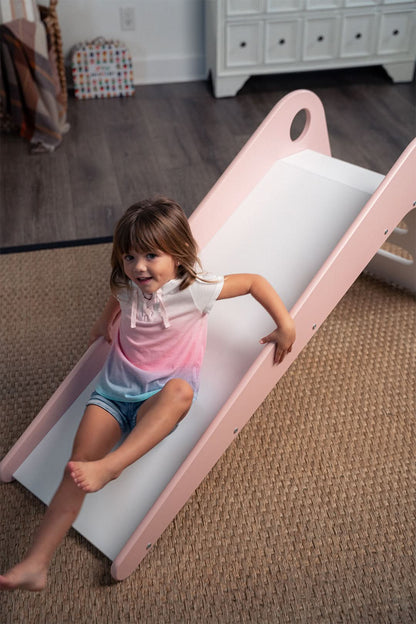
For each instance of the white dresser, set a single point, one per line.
(247, 37)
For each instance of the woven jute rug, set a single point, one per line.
(308, 517)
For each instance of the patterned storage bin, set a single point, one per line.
(102, 69)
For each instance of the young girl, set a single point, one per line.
(151, 375)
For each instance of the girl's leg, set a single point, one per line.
(155, 420)
(96, 436)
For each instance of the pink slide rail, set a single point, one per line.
(393, 199)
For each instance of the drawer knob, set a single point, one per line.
(396, 32)
(358, 36)
(282, 41)
(243, 44)
(320, 38)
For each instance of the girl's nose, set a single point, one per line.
(140, 264)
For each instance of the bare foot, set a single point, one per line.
(25, 575)
(91, 476)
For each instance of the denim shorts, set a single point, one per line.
(124, 413)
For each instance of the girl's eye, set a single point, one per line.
(128, 258)
(151, 256)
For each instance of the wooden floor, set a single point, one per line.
(177, 139)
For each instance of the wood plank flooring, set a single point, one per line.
(177, 139)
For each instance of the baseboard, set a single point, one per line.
(168, 69)
(56, 245)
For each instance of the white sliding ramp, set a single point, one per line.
(284, 229)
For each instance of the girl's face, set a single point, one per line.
(151, 270)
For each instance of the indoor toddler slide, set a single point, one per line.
(310, 224)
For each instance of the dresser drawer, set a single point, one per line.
(274, 6)
(399, 1)
(323, 4)
(358, 36)
(362, 3)
(242, 44)
(321, 38)
(243, 7)
(283, 41)
(396, 32)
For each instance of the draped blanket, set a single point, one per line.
(30, 92)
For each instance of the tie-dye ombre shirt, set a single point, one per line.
(159, 339)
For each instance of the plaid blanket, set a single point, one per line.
(30, 91)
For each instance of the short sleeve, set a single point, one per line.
(123, 295)
(206, 290)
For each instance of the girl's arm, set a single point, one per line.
(103, 324)
(257, 286)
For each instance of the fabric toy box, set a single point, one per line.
(102, 69)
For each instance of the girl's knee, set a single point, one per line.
(180, 391)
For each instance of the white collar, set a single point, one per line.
(157, 299)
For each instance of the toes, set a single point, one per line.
(77, 475)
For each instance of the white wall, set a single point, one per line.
(167, 44)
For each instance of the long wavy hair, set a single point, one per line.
(151, 225)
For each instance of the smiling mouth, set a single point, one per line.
(143, 280)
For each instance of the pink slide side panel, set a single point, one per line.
(270, 142)
(385, 209)
(77, 380)
(389, 204)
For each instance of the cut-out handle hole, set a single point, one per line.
(298, 124)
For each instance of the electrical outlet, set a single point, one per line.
(127, 18)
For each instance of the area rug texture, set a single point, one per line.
(309, 517)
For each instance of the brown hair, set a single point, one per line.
(157, 224)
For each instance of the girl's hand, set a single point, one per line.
(283, 337)
(284, 334)
(100, 328)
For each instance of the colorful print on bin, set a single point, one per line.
(102, 70)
